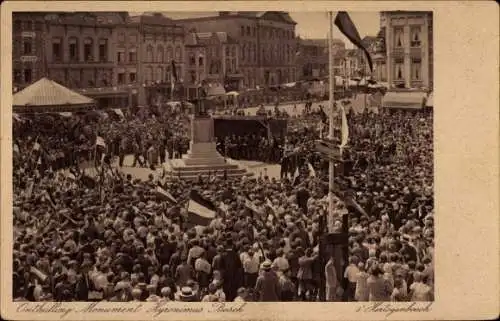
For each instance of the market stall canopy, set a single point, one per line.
(46, 95)
(430, 100)
(216, 90)
(404, 100)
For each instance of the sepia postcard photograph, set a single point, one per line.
(172, 160)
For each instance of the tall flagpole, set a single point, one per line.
(331, 168)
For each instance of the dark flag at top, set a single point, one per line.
(174, 75)
(347, 27)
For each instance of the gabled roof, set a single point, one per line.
(46, 93)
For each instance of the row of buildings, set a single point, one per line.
(121, 59)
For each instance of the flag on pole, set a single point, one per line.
(163, 194)
(200, 210)
(345, 128)
(296, 175)
(251, 206)
(100, 141)
(324, 117)
(312, 172)
(347, 27)
(174, 76)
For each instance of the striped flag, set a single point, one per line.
(251, 206)
(163, 194)
(200, 210)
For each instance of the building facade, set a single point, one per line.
(161, 46)
(117, 59)
(409, 48)
(28, 38)
(210, 57)
(267, 45)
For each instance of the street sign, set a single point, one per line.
(328, 149)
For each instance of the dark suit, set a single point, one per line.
(83, 286)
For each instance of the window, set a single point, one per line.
(121, 56)
(161, 54)
(193, 77)
(415, 37)
(416, 69)
(73, 49)
(248, 31)
(227, 51)
(159, 74)
(87, 49)
(398, 37)
(243, 52)
(192, 60)
(56, 49)
(17, 26)
(170, 53)
(132, 55)
(178, 53)
(254, 31)
(149, 54)
(121, 78)
(149, 74)
(398, 70)
(103, 50)
(200, 61)
(16, 76)
(27, 49)
(132, 77)
(28, 75)
(242, 30)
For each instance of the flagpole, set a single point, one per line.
(331, 167)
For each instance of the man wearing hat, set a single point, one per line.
(267, 287)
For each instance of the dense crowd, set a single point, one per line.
(116, 240)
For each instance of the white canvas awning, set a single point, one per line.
(404, 100)
(430, 100)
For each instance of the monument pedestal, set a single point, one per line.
(203, 156)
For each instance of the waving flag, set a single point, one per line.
(163, 194)
(312, 172)
(345, 128)
(347, 27)
(200, 210)
(296, 175)
(173, 79)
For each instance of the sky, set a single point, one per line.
(312, 25)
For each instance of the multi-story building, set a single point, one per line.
(80, 54)
(210, 57)
(161, 45)
(313, 61)
(112, 57)
(28, 38)
(266, 41)
(409, 48)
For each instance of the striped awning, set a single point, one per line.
(404, 100)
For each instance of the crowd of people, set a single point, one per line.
(112, 238)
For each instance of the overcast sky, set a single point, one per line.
(312, 24)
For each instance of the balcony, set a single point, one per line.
(74, 63)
